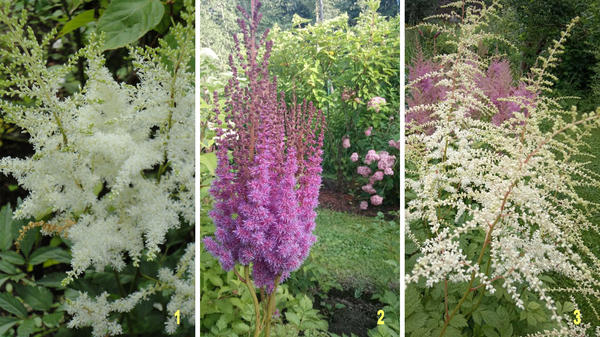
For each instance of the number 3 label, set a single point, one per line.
(577, 319)
(380, 321)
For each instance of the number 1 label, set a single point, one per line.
(178, 315)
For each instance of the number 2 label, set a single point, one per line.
(380, 321)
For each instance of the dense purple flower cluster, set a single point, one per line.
(265, 196)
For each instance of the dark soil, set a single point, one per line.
(331, 196)
(357, 316)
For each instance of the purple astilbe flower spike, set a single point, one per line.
(265, 196)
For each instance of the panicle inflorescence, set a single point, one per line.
(265, 197)
(113, 168)
(511, 178)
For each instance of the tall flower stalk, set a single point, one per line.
(268, 174)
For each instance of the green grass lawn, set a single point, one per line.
(354, 249)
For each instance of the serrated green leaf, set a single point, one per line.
(125, 21)
(305, 303)
(38, 298)
(568, 307)
(293, 318)
(12, 305)
(26, 328)
(53, 319)
(12, 257)
(240, 327)
(458, 321)
(488, 331)
(533, 306)
(491, 318)
(7, 322)
(6, 228)
(215, 280)
(44, 254)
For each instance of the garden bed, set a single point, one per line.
(348, 314)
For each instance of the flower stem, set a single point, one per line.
(271, 307)
(250, 286)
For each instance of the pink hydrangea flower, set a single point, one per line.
(376, 102)
(364, 171)
(371, 157)
(364, 205)
(369, 189)
(377, 176)
(354, 157)
(368, 131)
(385, 160)
(346, 142)
(395, 144)
(388, 171)
(376, 200)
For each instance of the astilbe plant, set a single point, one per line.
(265, 196)
(512, 179)
(113, 169)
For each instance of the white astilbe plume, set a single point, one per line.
(95, 312)
(514, 184)
(107, 138)
(113, 169)
(182, 283)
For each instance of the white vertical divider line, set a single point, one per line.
(197, 162)
(402, 166)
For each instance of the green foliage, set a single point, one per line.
(212, 80)
(125, 21)
(321, 62)
(226, 307)
(32, 297)
(30, 306)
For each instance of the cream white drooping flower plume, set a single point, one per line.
(512, 183)
(114, 161)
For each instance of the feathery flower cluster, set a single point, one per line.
(506, 178)
(114, 161)
(496, 84)
(265, 197)
(96, 312)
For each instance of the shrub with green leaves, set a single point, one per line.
(341, 68)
